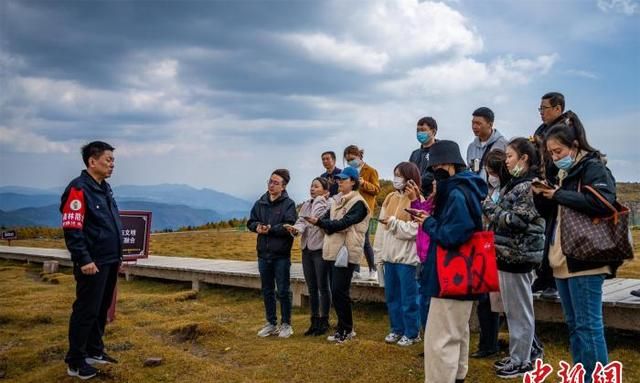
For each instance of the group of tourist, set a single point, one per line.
(516, 188)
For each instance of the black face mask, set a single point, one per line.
(441, 174)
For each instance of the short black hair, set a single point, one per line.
(484, 112)
(331, 153)
(429, 121)
(94, 149)
(555, 99)
(284, 174)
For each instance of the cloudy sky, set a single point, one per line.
(217, 94)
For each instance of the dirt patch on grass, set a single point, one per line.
(52, 353)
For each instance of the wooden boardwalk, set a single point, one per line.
(621, 309)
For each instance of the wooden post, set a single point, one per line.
(50, 267)
(195, 285)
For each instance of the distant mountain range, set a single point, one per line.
(173, 206)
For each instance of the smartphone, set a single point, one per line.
(412, 212)
(542, 185)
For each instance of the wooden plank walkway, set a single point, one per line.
(621, 309)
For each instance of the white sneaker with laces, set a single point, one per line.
(267, 330)
(405, 341)
(373, 275)
(392, 337)
(285, 330)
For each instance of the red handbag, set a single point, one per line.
(470, 268)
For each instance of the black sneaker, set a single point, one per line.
(101, 359)
(501, 363)
(510, 371)
(83, 371)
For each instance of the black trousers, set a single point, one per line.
(368, 254)
(341, 293)
(89, 315)
(316, 274)
(544, 277)
(489, 325)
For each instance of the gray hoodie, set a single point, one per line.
(476, 150)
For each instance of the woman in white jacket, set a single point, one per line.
(315, 269)
(395, 248)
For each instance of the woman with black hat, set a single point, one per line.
(457, 215)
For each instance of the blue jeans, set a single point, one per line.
(581, 299)
(401, 294)
(275, 272)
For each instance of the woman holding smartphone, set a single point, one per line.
(395, 247)
(315, 269)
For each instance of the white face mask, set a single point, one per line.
(494, 181)
(398, 183)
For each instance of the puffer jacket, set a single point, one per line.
(519, 228)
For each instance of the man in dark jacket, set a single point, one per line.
(426, 131)
(551, 112)
(329, 163)
(92, 233)
(269, 216)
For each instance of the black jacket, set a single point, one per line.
(590, 170)
(277, 243)
(97, 235)
(420, 157)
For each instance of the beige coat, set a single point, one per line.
(395, 242)
(352, 237)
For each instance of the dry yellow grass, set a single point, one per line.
(238, 245)
(210, 337)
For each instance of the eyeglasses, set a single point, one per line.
(274, 183)
(543, 108)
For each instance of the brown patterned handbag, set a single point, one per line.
(596, 239)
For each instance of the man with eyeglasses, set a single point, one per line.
(269, 216)
(551, 110)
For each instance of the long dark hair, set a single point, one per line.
(495, 161)
(569, 132)
(523, 146)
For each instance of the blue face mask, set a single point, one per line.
(564, 163)
(423, 137)
(355, 163)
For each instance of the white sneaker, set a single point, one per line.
(373, 275)
(392, 337)
(404, 341)
(267, 330)
(285, 330)
(356, 275)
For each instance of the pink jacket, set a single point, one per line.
(422, 239)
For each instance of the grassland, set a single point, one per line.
(230, 244)
(210, 337)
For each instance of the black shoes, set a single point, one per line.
(83, 371)
(483, 354)
(101, 359)
(509, 370)
(313, 328)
